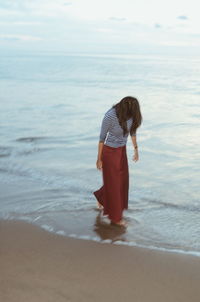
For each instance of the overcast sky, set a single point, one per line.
(100, 26)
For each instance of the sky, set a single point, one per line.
(105, 26)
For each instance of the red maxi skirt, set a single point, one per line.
(113, 195)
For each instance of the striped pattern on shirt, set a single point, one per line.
(111, 132)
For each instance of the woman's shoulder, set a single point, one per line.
(111, 112)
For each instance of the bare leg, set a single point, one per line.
(100, 207)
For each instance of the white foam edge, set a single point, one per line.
(109, 241)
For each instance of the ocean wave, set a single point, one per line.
(186, 207)
(5, 151)
(31, 139)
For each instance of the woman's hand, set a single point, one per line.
(99, 164)
(136, 155)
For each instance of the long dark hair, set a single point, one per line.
(125, 109)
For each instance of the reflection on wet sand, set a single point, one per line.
(107, 231)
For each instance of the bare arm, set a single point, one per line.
(134, 142)
(100, 148)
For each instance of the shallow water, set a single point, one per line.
(51, 110)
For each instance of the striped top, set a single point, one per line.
(111, 132)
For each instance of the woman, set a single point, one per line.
(120, 120)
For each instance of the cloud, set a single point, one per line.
(182, 17)
(105, 30)
(67, 3)
(157, 25)
(9, 37)
(89, 24)
(120, 19)
(13, 5)
(181, 43)
(35, 7)
(20, 23)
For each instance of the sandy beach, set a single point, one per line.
(37, 265)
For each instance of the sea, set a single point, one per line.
(52, 106)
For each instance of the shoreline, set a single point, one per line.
(44, 266)
(106, 241)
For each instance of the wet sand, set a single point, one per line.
(36, 265)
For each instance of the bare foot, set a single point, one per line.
(122, 223)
